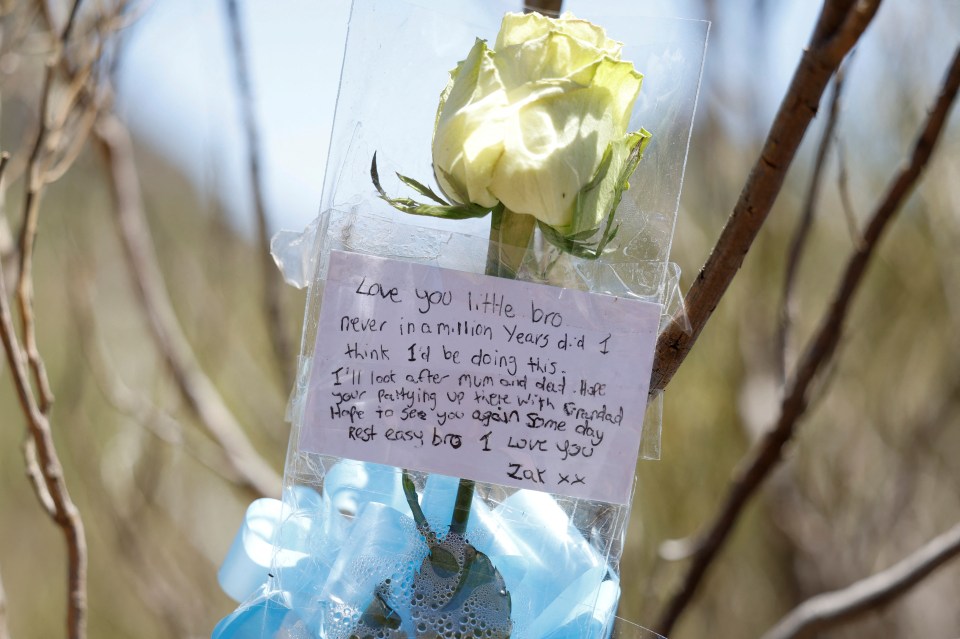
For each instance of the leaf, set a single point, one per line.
(408, 205)
(379, 619)
(455, 577)
(444, 596)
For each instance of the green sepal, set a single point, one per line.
(422, 189)
(581, 248)
(411, 206)
(602, 193)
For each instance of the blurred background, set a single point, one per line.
(169, 340)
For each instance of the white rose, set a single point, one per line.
(539, 123)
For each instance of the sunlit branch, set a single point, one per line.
(28, 232)
(767, 454)
(43, 464)
(35, 179)
(840, 25)
(53, 489)
(199, 393)
(841, 606)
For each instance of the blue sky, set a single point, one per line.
(177, 85)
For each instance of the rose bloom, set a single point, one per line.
(528, 123)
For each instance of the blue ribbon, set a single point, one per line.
(313, 563)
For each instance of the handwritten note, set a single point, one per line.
(473, 376)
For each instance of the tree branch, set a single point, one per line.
(840, 25)
(65, 513)
(546, 7)
(35, 475)
(33, 189)
(272, 291)
(255, 475)
(834, 608)
(799, 240)
(199, 393)
(126, 401)
(766, 455)
(843, 189)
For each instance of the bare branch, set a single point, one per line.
(834, 608)
(255, 474)
(65, 513)
(6, 238)
(199, 393)
(766, 455)
(799, 240)
(72, 151)
(125, 400)
(49, 130)
(169, 578)
(840, 25)
(41, 455)
(35, 475)
(272, 285)
(546, 7)
(28, 233)
(843, 188)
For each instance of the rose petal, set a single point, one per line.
(521, 27)
(554, 143)
(468, 139)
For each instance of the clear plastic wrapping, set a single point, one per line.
(370, 549)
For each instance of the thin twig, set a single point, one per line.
(40, 454)
(125, 400)
(840, 25)
(33, 190)
(834, 608)
(767, 453)
(35, 475)
(843, 188)
(255, 474)
(169, 579)
(33, 187)
(76, 146)
(546, 7)
(272, 284)
(6, 237)
(65, 513)
(802, 233)
(198, 392)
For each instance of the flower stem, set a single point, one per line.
(410, 492)
(510, 235)
(461, 507)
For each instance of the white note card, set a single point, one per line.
(480, 377)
